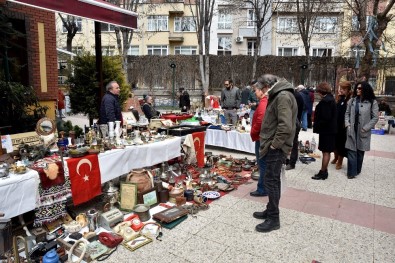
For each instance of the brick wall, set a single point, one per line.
(32, 16)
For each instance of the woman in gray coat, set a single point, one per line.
(361, 116)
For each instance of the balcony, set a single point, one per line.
(176, 7)
(176, 37)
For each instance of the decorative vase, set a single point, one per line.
(118, 132)
(111, 132)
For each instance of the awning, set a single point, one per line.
(97, 10)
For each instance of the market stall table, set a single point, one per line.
(230, 139)
(18, 193)
(176, 117)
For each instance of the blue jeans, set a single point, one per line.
(262, 168)
(354, 162)
(304, 119)
(251, 116)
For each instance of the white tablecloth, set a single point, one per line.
(18, 193)
(120, 161)
(230, 139)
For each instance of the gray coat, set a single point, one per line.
(367, 119)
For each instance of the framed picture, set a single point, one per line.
(128, 196)
(167, 123)
(148, 197)
(137, 242)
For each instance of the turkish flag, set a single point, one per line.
(85, 178)
(198, 142)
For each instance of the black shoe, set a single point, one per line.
(320, 176)
(268, 225)
(350, 176)
(256, 193)
(260, 215)
(303, 129)
(289, 167)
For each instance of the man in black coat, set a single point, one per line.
(110, 110)
(185, 101)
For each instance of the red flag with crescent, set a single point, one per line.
(85, 178)
(198, 142)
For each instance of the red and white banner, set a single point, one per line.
(85, 178)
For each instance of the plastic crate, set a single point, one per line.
(378, 131)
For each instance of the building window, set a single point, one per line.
(224, 45)
(184, 24)
(77, 50)
(287, 51)
(108, 50)
(325, 25)
(251, 19)
(157, 23)
(355, 26)
(107, 27)
(157, 50)
(251, 47)
(322, 52)
(185, 50)
(133, 51)
(287, 25)
(355, 52)
(224, 19)
(78, 22)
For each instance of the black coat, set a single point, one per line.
(110, 109)
(185, 101)
(325, 116)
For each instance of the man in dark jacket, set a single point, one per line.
(185, 101)
(230, 102)
(276, 138)
(110, 110)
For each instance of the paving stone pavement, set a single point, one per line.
(335, 220)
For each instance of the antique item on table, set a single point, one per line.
(180, 200)
(200, 199)
(110, 218)
(170, 214)
(46, 128)
(163, 196)
(142, 211)
(128, 196)
(109, 239)
(246, 167)
(211, 194)
(148, 197)
(141, 178)
(255, 174)
(121, 227)
(174, 193)
(72, 227)
(39, 233)
(135, 221)
(82, 219)
(4, 170)
(137, 242)
(111, 193)
(76, 245)
(189, 195)
(96, 249)
(93, 217)
(129, 234)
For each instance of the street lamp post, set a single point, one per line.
(173, 67)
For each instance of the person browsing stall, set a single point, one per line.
(230, 99)
(110, 109)
(148, 108)
(276, 137)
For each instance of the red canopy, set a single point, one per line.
(97, 10)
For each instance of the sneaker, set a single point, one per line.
(268, 225)
(260, 215)
(256, 193)
(289, 167)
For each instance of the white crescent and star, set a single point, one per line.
(81, 162)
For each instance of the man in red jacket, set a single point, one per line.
(259, 114)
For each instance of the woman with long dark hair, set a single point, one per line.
(343, 96)
(361, 116)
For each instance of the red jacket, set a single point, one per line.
(257, 119)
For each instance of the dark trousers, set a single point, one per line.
(354, 162)
(274, 161)
(295, 149)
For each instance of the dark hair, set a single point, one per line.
(367, 92)
(253, 81)
(324, 88)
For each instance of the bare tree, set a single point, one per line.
(372, 18)
(70, 24)
(202, 11)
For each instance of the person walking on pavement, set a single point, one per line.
(245, 94)
(261, 93)
(110, 109)
(61, 104)
(344, 94)
(361, 116)
(230, 102)
(295, 146)
(276, 137)
(325, 124)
